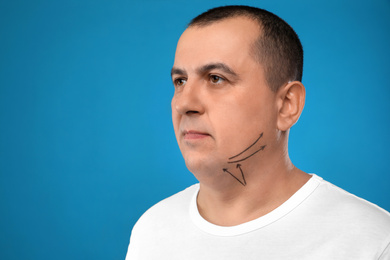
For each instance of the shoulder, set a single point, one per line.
(168, 210)
(351, 210)
(346, 219)
(346, 201)
(164, 218)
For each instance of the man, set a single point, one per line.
(237, 78)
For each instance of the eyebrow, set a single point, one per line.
(204, 69)
(178, 71)
(219, 66)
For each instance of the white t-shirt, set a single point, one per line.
(320, 221)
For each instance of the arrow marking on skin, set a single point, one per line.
(242, 174)
(242, 178)
(261, 148)
(261, 135)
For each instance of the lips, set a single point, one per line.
(194, 135)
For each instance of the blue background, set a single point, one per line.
(86, 141)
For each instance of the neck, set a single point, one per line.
(266, 188)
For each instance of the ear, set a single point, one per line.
(291, 100)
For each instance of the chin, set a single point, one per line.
(195, 166)
(206, 168)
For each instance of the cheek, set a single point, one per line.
(176, 127)
(175, 122)
(238, 115)
(241, 122)
(233, 127)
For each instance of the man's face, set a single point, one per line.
(222, 103)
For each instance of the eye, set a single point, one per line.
(179, 82)
(216, 79)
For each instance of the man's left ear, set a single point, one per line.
(290, 102)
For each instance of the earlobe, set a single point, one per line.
(291, 100)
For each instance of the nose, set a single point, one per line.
(188, 101)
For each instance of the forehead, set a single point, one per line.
(229, 41)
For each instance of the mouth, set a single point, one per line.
(194, 135)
